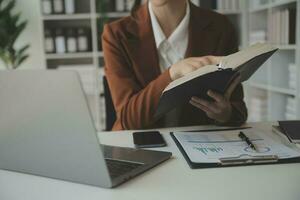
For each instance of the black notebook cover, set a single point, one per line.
(291, 129)
(217, 81)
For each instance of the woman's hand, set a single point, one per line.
(221, 109)
(188, 65)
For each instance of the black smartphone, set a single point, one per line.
(148, 139)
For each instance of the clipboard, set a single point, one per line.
(235, 161)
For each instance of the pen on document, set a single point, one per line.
(220, 65)
(247, 140)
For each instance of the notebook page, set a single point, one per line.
(241, 57)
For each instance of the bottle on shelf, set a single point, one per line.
(292, 76)
(120, 5)
(58, 6)
(60, 42)
(47, 7)
(290, 113)
(49, 41)
(69, 6)
(231, 5)
(82, 40)
(71, 41)
(256, 36)
(129, 4)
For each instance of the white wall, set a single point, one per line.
(32, 35)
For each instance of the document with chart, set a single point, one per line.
(210, 147)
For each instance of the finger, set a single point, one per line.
(232, 87)
(210, 60)
(216, 96)
(212, 115)
(204, 61)
(201, 107)
(195, 63)
(189, 68)
(212, 107)
(215, 59)
(208, 112)
(198, 62)
(201, 101)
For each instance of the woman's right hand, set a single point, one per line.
(188, 65)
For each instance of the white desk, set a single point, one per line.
(170, 180)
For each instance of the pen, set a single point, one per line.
(245, 138)
(220, 65)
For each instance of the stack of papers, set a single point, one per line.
(210, 147)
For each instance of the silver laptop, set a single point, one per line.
(46, 129)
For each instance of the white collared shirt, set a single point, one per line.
(172, 49)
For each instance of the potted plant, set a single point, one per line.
(10, 29)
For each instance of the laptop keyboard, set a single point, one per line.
(117, 168)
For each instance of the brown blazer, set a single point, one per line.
(133, 72)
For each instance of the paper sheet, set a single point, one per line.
(209, 147)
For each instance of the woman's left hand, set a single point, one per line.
(221, 109)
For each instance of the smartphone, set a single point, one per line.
(148, 139)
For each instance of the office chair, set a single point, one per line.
(110, 109)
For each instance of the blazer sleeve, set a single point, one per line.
(135, 105)
(229, 43)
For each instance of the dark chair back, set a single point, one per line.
(110, 109)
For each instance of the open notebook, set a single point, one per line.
(214, 77)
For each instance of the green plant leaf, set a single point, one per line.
(20, 61)
(23, 49)
(19, 29)
(9, 7)
(10, 29)
(15, 18)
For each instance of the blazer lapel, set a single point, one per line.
(141, 47)
(202, 40)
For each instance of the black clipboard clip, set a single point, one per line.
(245, 159)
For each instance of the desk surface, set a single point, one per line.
(171, 180)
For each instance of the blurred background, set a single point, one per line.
(66, 35)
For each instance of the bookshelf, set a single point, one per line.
(90, 15)
(273, 92)
(268, 93)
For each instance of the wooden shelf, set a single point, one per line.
(282, 3)
(261, 86)
(113, 15)
(100, 54)
(229, 12)
(283, 90)
(271, 5)
(287, 47)
(67, 17)
(267, 87)
(84, 16)
(69, 55)
(260, 9)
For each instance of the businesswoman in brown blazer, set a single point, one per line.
(160, 42)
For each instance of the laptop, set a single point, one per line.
(46, 129)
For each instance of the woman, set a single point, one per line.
(160, 42)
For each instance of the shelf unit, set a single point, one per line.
(245, 19)
(271, 82)
(237, 16)
(88, 18)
